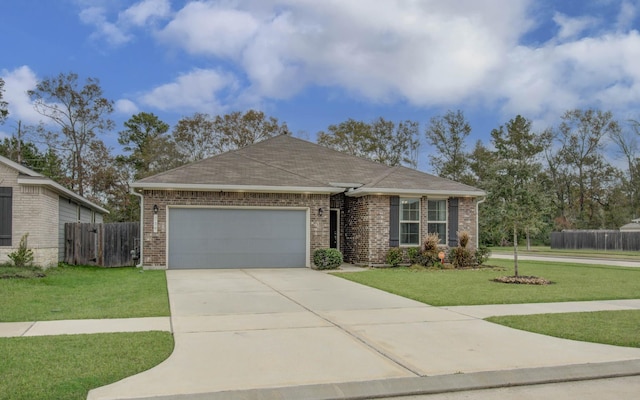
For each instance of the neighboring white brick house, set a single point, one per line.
(34, 204)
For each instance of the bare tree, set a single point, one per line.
(80, 114)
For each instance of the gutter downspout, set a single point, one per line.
(478, 202)
(133, 192)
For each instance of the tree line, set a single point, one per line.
(560, 178)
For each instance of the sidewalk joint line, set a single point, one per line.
(342, 328)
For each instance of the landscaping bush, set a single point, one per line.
(327, 258)
(394, 256)
(461, 256)
(427, 254)
(482, 255)
(431, 243)
(413, 253)
(23, 257)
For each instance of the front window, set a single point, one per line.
(409, 221)
(437, 218)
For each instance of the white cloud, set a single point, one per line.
(198, 90)
(126, 106)
(572, 27)
(16, 84)
(426, 53)
(209, 28)
(112, 33)
(118, 33)
(589, 72)
(626, 16)
(141, 13)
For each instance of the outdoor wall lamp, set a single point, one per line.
(320, 212)
(155, 209)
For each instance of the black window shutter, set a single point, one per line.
(394, 221)
(5, 215)
(453, 222)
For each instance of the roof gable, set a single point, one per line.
(285, 162)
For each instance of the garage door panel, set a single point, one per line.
(236, 238)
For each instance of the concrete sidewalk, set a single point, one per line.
(297, 333)
(84, 326)
(568, 259)
(89, 326)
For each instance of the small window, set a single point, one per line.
(409, 222)
(437, 218)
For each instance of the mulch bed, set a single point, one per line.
(523, 280)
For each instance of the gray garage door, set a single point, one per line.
(236, 238)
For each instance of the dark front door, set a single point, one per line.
(334, 229)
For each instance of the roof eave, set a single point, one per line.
(236, 188)
(42, 181)
(415, 192)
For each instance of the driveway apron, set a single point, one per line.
(268, 328)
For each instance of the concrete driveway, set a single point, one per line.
(237, 330)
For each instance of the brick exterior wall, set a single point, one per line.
(35, 211)
(467, 218)
(365, 230)
(155, 244)
(364, 221)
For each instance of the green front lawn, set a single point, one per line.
(68, 366)
(74, 292)
(618, 328)
(572, 282)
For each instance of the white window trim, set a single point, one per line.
(401, 221)
(446, 217)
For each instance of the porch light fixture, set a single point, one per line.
(155, 209)
(320, 212)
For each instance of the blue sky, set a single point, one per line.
(312, 63)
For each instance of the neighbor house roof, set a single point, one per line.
(29, 177)
(288, 164)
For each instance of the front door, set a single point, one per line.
(334, 229)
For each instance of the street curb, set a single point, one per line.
(426, 385)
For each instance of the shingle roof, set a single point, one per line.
(286, 163)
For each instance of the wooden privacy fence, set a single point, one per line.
(596, 239)
(106, 245)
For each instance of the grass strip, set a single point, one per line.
(77, 292)
(68, 366)
(619, 328)
(572, 282)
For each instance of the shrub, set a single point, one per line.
(461, 257)
(327, 258)
(413, 253)
(23, 257)
(431, 242)
(482, 255)
(394, 256)
(463, 238)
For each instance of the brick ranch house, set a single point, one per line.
(34, 204)
(273, 203)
